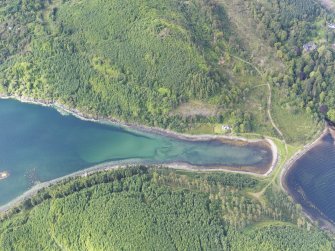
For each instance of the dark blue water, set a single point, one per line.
(311, 180)
(39, 144)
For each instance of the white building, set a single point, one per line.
(331, 25)
(226, 128)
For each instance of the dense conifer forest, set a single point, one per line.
(140, 208)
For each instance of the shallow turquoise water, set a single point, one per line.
(39, 144)
(312, 180)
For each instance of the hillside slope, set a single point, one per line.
(175, 64)
(131, 60)
(140, 61)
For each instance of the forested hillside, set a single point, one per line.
(132, 60)
(150, 209)
(136, 61)
(152, 61)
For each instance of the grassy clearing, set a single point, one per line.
(254, 99)
(297, 125)
(266, 223)
(198, 129)
(196, 107)
(330, 4)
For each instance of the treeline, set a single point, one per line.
(279, 237)
(139, 209)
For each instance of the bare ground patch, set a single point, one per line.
(329, 4)
(194, 108)
(262, 54)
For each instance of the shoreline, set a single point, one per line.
(62, 109)
(320, 219)
(299, 155)
(36, 188)
(108, 167)
(145, 129)
(234, 140)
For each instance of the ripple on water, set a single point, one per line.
(314, 175)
